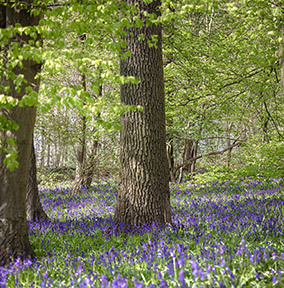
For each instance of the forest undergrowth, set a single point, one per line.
(226, 234)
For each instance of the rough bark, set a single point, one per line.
(34, 210)
(13, 226)
(143, 196)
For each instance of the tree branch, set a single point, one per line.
(209, 154)
(275, 125)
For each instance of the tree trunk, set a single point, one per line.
(81, 149)
(171, 162)
(229, 153)
(48, 155)
(189, 152)
(57, 152)
(85, 165)
(34, 209)
(86, 170)
(143, 196)
(42, 152)
(91, 165)
(13, 226)
(281, 57)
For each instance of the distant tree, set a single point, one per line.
(13, 227)
(143, 196)
(34, 210)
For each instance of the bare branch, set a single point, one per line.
(209, 154)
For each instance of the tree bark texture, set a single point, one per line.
(13, 226)
(143, 196)
(34, 210)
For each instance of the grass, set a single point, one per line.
(224, 235)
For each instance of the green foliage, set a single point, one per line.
(51, 177)
(221, 70)
(257, 161)
(10, 159)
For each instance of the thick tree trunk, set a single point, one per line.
(34, 210)
(13, 226)
(143, 196)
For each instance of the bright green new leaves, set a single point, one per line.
(11, 156)
(222, 70)
(11, 159)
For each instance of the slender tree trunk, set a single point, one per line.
(57, 152)
(189, 152)
(265, 129)
(87, 170)
(281, 57)
(229, 153)
(34, 209)
(62, 159)
(91, 164)
(171, 162)
(13, 226)
(81, 150)
(48, 155)
(42, 152)
(143, 196)
(85, 164)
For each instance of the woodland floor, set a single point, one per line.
(224, 235)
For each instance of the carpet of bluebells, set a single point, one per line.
(223, 235)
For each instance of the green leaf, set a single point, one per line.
(138, 23)
(11, 141)
(10, 160)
